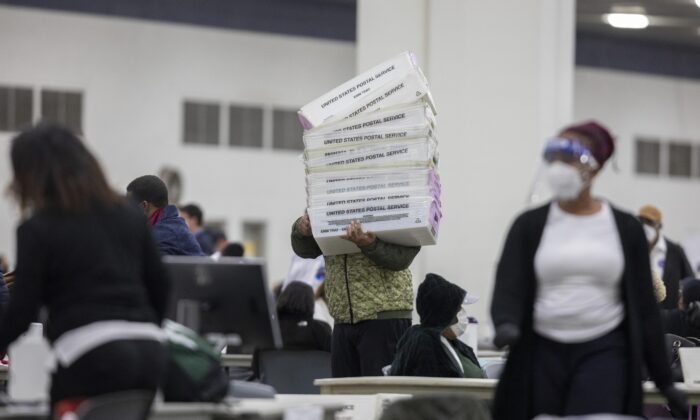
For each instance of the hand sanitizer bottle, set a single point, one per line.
(29, 366)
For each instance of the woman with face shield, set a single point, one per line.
(433, 348)
(573, 297)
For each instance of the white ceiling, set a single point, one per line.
(670, 21)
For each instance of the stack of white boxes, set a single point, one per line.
(371, 155)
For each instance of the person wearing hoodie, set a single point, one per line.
(432, 348)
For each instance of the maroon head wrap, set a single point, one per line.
(603, 143)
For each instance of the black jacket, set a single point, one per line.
(676, 268)
(298, 334)
(420, 352)
(683, 323)
(514, 298)
(172, 235)
(94, 267)
(304, 334)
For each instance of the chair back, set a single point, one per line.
(294, 371)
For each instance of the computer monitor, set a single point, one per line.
(229, 296)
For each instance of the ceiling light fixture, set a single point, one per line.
(627, 20)
(697, 2)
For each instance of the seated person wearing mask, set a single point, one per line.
(170, 231)
(432, 348)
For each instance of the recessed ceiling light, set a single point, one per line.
(628, 20)
(697, 2)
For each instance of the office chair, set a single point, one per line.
(294, 371)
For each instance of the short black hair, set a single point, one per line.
(233, 250)
(149, 188)
(297, 300)
(194, 211)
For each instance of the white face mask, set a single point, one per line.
(651, 233)
(565, 181)
(462, 322)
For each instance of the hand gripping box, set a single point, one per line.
(415, 226)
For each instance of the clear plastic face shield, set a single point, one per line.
(566, 169)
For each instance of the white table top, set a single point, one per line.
(481, 388)
(232, 409)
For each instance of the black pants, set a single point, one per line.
(582, 378)
(363, 349)
(116, 366)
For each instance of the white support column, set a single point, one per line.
(387, 27)
(501, 74)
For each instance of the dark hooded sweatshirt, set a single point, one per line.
(420, 352)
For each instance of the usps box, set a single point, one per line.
(401, 91)
(356, 89)
(330, 142)
(414, 153)
(415, 113)
(417, 227)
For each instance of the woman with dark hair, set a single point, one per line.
(573, 297)
(88, 257)
(295, 312)
(295, 309)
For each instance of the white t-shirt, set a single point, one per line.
(321, 312)
(579, 266)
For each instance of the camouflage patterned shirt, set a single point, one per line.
(360, 286)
